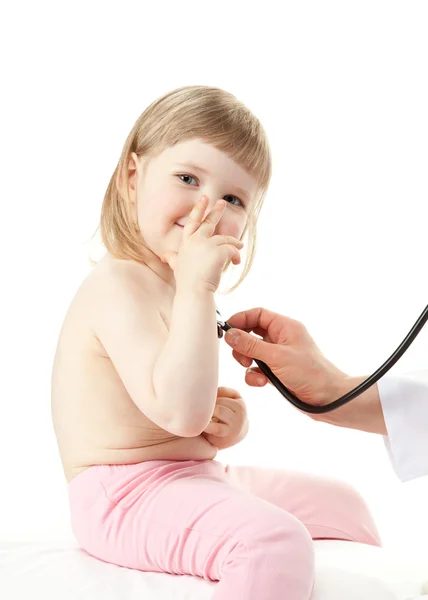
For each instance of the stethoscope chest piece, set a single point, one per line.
(221, 325)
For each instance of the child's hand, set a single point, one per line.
(202, 256)
(229, 423)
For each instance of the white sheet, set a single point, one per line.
(59, 570)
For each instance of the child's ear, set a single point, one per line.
(132, 177)
(133, 167)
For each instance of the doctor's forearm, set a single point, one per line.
(363, 413)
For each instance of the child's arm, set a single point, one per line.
(185, 375)
(171, 377)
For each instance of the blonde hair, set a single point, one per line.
(207, 113)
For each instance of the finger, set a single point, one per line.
(217, 429)
(279, 328)
(195, 217)
(232, 247)
(262, 333)
(227, 240)
(169, 258)
(223, 413)
(255, 378)
(210, 222)
(254, 347)
(255, 370)
(245, 361)
(233, 254)
(227, 392)
(248, 320)
(235, 258)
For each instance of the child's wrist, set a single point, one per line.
(183, 290)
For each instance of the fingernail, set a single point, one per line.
(232, 337)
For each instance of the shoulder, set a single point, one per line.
(119, 293)
(115, 278)
(110, 288)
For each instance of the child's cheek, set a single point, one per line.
(234, 226)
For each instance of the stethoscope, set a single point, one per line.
(362, 387)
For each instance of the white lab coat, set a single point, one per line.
(405, 407)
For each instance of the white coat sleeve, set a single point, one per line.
(405, 408)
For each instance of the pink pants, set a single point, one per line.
(248, 528)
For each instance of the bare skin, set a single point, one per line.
(118, 391)
(95, 420)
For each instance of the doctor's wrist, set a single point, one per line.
(363, 412)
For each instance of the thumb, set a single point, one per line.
(249, 345)
(170, 258)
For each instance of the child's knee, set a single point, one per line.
(298, 539)
(278, 554)
(287, 536)
(287, 547)
(344, 514)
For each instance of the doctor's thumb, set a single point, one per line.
(248, 345)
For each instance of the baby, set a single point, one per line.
(137, 411)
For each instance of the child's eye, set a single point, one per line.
(235, 198)
(184, 177)
(188, 177)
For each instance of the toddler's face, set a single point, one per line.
(166, 188)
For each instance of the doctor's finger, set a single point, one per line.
(274, 355)
(248, 320)
(255, 378)
(245, 361)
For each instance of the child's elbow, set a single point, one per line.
(176, 421)
(189, 427)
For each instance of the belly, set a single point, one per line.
(197, 448)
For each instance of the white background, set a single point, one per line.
(341, 88)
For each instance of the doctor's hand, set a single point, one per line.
(292, 355)
(229, 423)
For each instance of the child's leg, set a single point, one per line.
(329, 508)
(185, 518)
